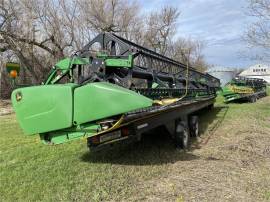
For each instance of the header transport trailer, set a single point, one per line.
(114, 90)
(244, 89)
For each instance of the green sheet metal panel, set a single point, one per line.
(65, 63)
(118, 63)
(227, 91)
(101, 99)
(66, 135)
(43, 108)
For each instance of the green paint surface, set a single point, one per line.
(44, 108)
(65, 63)
(112, 61)
(73, 133)
(229, 95)
(100, 100)
(118, 63)
(55, 109)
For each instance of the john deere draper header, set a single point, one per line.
(88, 93)
(244, 88)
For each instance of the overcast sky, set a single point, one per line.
(219, 23)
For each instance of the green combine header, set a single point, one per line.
(241, 88)
(114, 93)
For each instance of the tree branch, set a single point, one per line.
(29, 41)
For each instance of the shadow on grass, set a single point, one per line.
(155, 148)
(207, 118)
(210, 122)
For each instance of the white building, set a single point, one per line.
(260, 71)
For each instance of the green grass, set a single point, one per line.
(31, 171)
(268, 90)
(267, 195)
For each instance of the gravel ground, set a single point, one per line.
(5, 107)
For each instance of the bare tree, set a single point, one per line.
(55, 28)
(37, 33)
(160, 28)
(188, 51)
(109, 15)
(258, 33)
(40, 32)
(198, 60)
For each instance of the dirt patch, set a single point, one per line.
(5, 107)
(232, 164)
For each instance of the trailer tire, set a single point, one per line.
(210, 107)
(253, 99)
(194, 126)
(182, 138)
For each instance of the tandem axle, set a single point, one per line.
(180, 120)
